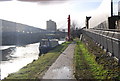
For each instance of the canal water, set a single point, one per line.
(16, 57)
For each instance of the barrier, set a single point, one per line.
(108, 39)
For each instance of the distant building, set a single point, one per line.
(119, 8)
(51, 25)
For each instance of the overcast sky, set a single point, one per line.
(37, 12)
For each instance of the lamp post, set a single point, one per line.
(87, 21)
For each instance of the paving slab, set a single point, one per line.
(62, 68)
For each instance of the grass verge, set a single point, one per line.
(86, 66)
(37, 68)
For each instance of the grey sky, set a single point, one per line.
(38, 12)
(5, 0)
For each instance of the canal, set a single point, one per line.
(16, 57)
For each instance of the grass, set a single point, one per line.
(97, 70)
(86, 66)
(37, 68)
(103, 58)
(81, 71)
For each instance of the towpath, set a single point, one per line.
(62, 68)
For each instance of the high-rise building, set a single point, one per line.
(119, 8)
(51, 25)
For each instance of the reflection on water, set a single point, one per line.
(19, 57)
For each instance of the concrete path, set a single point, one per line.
(62, 68)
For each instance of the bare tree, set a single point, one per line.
(73, 28)
(75, 31)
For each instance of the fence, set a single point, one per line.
(108, 39)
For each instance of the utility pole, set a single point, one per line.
(111, 8)
(69, 27)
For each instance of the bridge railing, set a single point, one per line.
(108, 39)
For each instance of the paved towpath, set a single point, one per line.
(62, 68)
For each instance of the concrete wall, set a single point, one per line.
(13, 33)
(8, 26)
(109, 40)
